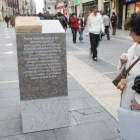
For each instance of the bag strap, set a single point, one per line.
(127, 71)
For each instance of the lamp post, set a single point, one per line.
(18, 5)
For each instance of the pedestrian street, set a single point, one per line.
(93, 99)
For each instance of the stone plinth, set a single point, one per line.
(28, 24)
(43, 78)
(129, 121)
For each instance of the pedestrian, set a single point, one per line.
(14, 18)
(86, 17)
(106, 22)
(114, 23)
(7, 20)
(101, 35)
(61, 18)
(101, 12)
(47, 16)
(65, 17)
(128, 95)
(70, 21)
(93, 28)
(74, 26)
(41, 16)
(11, 18)
(81, 27)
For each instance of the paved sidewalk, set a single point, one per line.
(88, 119)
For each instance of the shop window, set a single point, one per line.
(128, 10)
(138, 7)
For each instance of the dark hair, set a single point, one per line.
(40, 14)
(81, 14)
(134, 23)
(113, 13)
(94, 6)
(73, 14)
(59, 14)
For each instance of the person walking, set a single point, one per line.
(86, 17)
(41, 16)
(74, 26)
(7, 19)
(106, 22)
(70, 21)
(47, 16)
(93, 27)
(81, 27)
(11, 18)
(61, 19)
(114, 23)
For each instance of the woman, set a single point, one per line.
(114, 23)
(41, 16)
(128, 95)
(81, 27)
(7, 20)
(70, 21)
(74, 26)
(62, 20)
(11, 18)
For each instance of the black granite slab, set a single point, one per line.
(42, 65)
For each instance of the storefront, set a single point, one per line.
(87, 6)
(132, 6)
(107, 8)
(61, 8)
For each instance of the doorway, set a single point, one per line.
(107, 8)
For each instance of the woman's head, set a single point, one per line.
(73, 15)
(113, 13)
(59, 14)
(81, 15)
(133, 24)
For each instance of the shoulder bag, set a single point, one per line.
(124, 73)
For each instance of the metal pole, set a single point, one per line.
(18, 5)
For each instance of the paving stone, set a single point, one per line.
(77, 104)
(70, 48)
(9, 102)
(10, 113)
(10, 127)
(10, 78)
(97, 117)
(10, 93)
(112, 76)
(100, 66)
(10, 85)
(94, 110)
(116, 139)
(72, 120)
(93, 131)
(92, 102)
(70, 87)
(76, 94)
(10, 69)
(113, 125)
(76, 85)
(44, 135)
(12, 73)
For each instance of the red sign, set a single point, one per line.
(128, 6)
(138, 6)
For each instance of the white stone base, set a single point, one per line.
(129, 121)
(44, 114)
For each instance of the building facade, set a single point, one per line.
(30, 7)
(49, 5)
(10, 7)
